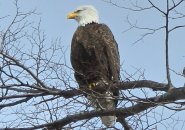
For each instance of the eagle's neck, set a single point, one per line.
(82, 21)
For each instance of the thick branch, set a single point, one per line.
(15, 103)
(167, 45)
(75, 92)
(121, 86)
(119, 112)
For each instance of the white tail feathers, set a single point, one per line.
(108, 121)
(104, 102)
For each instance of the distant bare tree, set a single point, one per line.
(38, 91)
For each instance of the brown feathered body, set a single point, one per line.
(95, 59)
(95, 56)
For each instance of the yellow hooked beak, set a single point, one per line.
(71, 15)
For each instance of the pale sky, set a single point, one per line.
(147, 55)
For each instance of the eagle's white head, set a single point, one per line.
(85, 14)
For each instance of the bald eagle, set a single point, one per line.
(95, 59)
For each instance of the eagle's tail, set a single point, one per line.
(108, 121)
(104, 102)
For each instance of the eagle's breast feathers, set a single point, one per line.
(94, 52)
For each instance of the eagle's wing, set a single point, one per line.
(111, 52)
(112, 55)
(94, 54)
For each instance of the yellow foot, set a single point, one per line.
(92, 85)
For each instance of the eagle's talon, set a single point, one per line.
(92, 85)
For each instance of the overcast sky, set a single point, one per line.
(147, 55)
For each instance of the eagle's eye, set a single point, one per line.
(77, 11)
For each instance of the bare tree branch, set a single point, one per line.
(136, 8)
(38, 90)
(166, 98)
